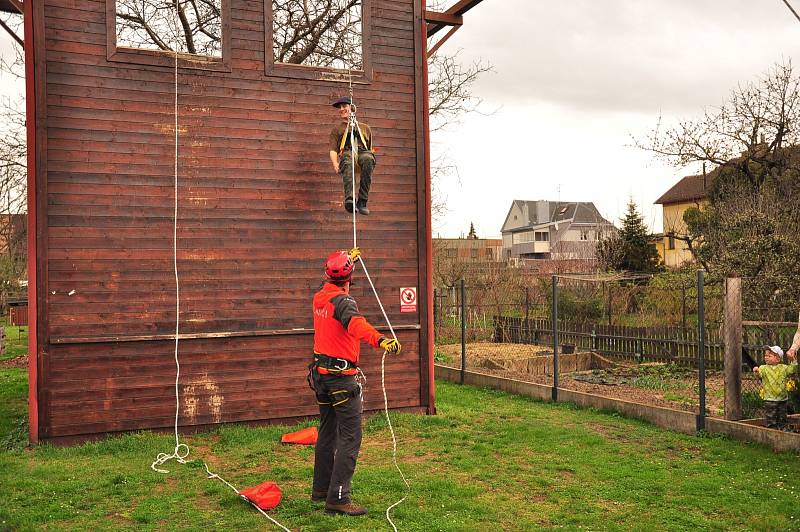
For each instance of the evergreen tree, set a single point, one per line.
(639, 253)
(472, 233)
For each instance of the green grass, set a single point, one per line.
(16, 341)
(487, 461)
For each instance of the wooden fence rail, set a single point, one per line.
(641, 344)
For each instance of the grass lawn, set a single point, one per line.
(487, 461)
(16, 340)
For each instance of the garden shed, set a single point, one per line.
(258, 206)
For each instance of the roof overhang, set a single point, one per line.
(452, 17)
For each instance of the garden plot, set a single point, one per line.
(657, 384)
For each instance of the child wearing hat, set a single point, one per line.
(774, 378)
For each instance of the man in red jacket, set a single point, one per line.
(339, 329)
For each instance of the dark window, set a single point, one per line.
(670, 238)
(473, 252)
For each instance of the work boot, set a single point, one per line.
(349, 508)
(348, 204)
(318, 496)
(362, 207)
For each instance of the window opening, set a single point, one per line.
(319, 33)
(151, 25)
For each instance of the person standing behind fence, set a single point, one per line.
(774, 378)
(792, 352)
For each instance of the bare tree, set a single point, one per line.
(450, 88)
(325, 33)
(750, 225)
(190, 26)
(753, 125)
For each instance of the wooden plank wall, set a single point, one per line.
(259, 211)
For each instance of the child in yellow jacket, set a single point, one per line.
(775, 377)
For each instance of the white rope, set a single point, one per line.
(181, 451)
(353, 124)
(386, 399)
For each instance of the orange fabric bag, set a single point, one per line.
(301, 437)
(266, 495)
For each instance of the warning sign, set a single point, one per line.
(408, 299)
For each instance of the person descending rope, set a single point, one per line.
(341, 154)
(339, 329)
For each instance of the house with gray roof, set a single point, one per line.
(553, 230)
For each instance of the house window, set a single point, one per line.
(474, 254)
(318, 39)
(584, 235)
(542, 236)
(151, 31)
(488, 253)
(450, 253)
(671, 242)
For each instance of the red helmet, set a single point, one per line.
(339, 266)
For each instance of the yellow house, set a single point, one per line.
(688, 192)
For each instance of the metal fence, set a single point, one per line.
(623, 338)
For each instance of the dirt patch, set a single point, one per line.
(639, 383)
(18, 362)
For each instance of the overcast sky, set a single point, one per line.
(574, 79)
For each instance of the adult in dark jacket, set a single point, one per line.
(339, 329)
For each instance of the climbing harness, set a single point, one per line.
(181, 450)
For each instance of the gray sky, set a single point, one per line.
(575, 79)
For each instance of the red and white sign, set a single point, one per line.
(408, 299)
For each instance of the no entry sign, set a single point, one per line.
(408, 299)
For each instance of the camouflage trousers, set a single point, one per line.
(366, 161)
(775, 414)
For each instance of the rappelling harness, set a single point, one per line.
(325, 365)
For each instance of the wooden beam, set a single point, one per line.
(442, 41)
(11, 6)
(200, 336)
(457, 9)
(733, 348)
(11, 32)
(443, 18)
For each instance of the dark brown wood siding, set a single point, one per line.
(259, 210)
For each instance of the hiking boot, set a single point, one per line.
(319, 496)
(349, 508)
(348, 204)
(362, 207)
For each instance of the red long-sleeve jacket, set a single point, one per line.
(339, 328)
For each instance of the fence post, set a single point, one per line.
(701, 349)
(554, 319)
(527, 303)
(683, 306)
(733, 348)
(463, 331)
(435, 311)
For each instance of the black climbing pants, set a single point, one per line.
(366, 160)
(775, 414)
(339, 437)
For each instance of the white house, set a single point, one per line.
(553, 230)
